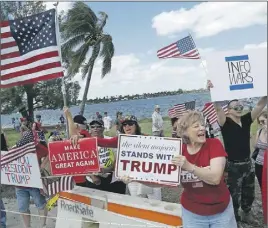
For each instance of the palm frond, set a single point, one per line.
(79, 19)
(107, 53)
(94, 56)
(70, 44)
(78, 59)
(103, 20)
(78, 27)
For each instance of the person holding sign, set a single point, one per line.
(104, 181)
(206, 201)
(129, 126)
(235, 130)
(77, 125)
(23, 194)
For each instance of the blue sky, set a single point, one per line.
(139, 29)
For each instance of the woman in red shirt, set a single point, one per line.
(206, 201)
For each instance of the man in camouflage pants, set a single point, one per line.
(235, 130)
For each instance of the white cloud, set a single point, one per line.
(211, 18)
(130, 75)
(63, 6)
(254, 46)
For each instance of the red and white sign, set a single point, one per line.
(66, 159)
(148, 159)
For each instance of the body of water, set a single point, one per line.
(142, 108)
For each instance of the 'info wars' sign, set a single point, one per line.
(67, 159)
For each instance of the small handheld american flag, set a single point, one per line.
(184, 48)
(179, 109)
(210, 112)
(29, 50)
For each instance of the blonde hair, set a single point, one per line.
(187, 120)
(264, 114)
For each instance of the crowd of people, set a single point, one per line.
(220, 186)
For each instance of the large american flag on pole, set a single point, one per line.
(179, 109)
(29, 50)
(184, 48)
(210, 112)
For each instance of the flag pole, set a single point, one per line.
(205, 69)
(0, 103)
(59, 44)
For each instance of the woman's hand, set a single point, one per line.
(181, 161)
(125, 179)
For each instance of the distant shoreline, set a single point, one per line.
(140, 96)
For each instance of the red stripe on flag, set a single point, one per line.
(165, 47)
(31, 71)
(4, 24)
(34, 80)
(6, 35)
(8, 45)
(10, 55)
(30, 60)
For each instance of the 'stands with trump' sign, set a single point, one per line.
(238, 74)
(148, 159)
(67, 159)
(23, 172)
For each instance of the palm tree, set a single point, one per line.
(82, 29)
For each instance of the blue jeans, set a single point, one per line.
(23, 199)
(3, 215)
(221, 220)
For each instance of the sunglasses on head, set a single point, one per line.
(96, 126)
(238, 108)
(129, 123)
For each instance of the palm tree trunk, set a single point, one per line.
(83, 103)
(92, 59)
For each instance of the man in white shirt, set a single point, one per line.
(107, 122)
(157, 122)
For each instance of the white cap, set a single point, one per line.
(157, 106)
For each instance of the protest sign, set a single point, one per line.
(238, 74)
(148, 159)
(23, 172)
(67, 159)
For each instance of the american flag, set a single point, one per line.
(27, 145)
(17, 153)
(29, 50)
(210, 112)
(65, 183)
(183, 48)
(179, 109)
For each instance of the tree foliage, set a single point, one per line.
(83, 35)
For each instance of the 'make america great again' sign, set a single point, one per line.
(67, 159)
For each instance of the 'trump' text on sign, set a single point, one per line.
(23, 172)
(148, 158)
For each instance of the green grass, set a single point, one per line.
(146, 127)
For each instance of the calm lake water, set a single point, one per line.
(140, 108)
